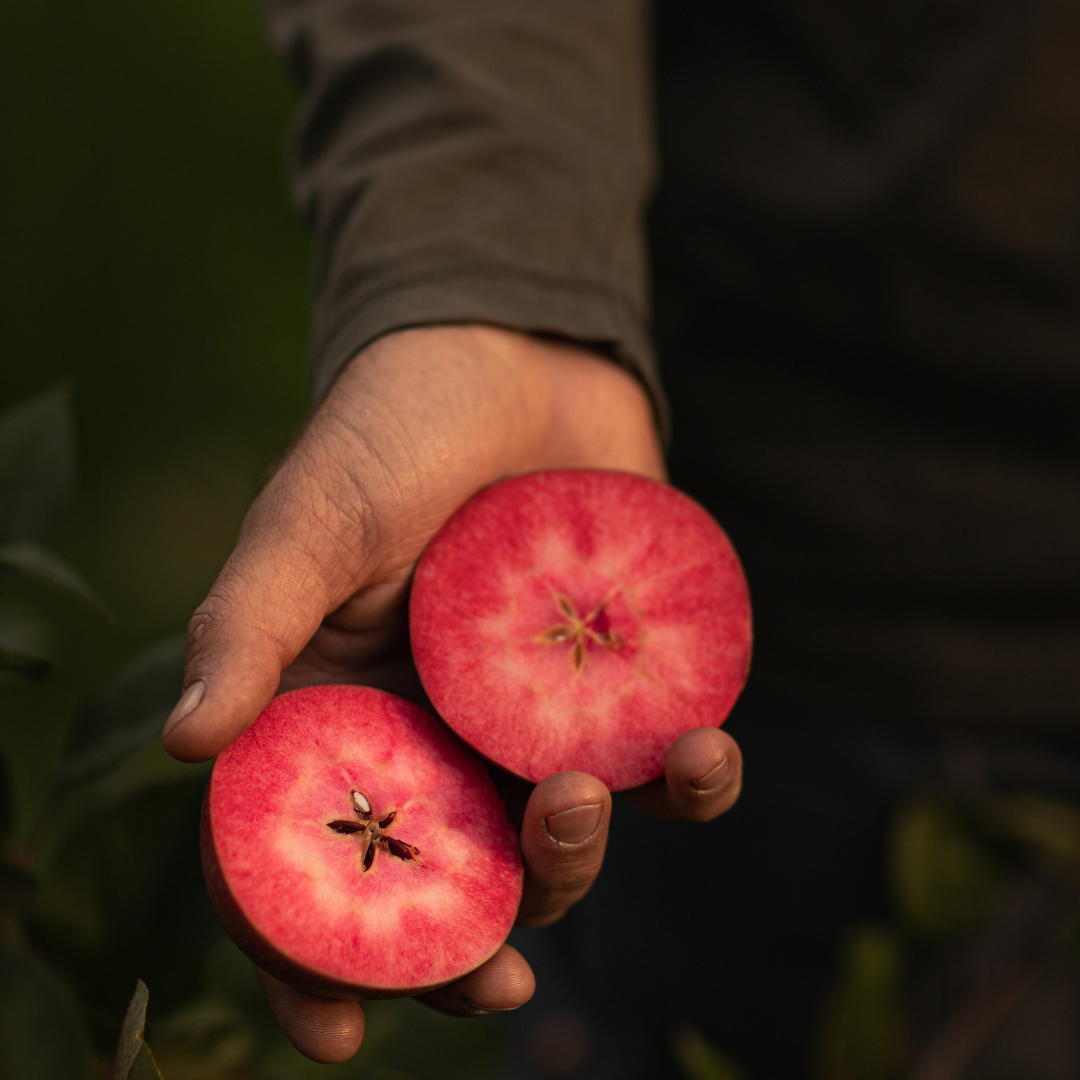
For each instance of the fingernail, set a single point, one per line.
(188, 703)
(574, 826)
(714, 779)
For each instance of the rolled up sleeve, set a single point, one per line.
(473, 161)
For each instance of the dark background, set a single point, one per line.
(149, 254)
(150, 257)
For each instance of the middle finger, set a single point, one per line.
(563, 836)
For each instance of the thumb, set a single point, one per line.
(287, 573)
(258, 616)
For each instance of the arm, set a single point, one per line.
(421, 418)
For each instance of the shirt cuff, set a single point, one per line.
(577, 311)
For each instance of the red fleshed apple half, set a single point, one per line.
(354, 847)
(580, 619)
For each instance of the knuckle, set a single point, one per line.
(706, 808)
(559, 882)
(208, 616)
(223, 614)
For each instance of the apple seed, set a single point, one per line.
(594, 627)
(374, 836)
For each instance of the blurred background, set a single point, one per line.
(151, 260)
(151, 257)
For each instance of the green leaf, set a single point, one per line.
(946, 882)
(30, 558)
(145, 1067)
(32, 667)
(1046, 827)
(42, 1033)
(134, 1061)
(698, 1059)
(7, 803)
(131, 1031)
(37, 465)
(863, 1036)
(124, 715)
(122, 898)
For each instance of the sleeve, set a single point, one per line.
(473, 160)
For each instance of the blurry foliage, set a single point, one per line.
(944, 882)
(36, 476)
(102, 888)
(124, 894)
(150, 256)
(864, 1035)
(698, 1059)
(125, 714)
(37, 467)
(156, 278)
(1045, 831)
(151, 260)
(986, 891)
(42, 1033)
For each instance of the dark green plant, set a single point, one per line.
(134, 1059)
(101, 888)
(42, 1031)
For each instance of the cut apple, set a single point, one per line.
(580, 619)
(355, 848)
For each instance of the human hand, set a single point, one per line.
(316, 591)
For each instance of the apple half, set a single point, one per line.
(355, 848)
(580, 619)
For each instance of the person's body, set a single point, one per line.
(869, 336)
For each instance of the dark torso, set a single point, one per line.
(866, 255)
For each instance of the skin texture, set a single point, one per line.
(316, 591)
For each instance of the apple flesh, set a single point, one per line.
(355, 848)
(580, 619)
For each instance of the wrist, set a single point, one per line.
(511, 400)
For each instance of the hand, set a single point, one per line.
(316, 590)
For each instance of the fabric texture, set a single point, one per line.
(482, 160)
(866, 253)
(866, 248)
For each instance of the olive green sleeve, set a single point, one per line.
(473, 160)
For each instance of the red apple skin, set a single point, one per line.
(493, 630)
(292, 892)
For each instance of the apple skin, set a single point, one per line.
(580, 619)
(289, 883)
